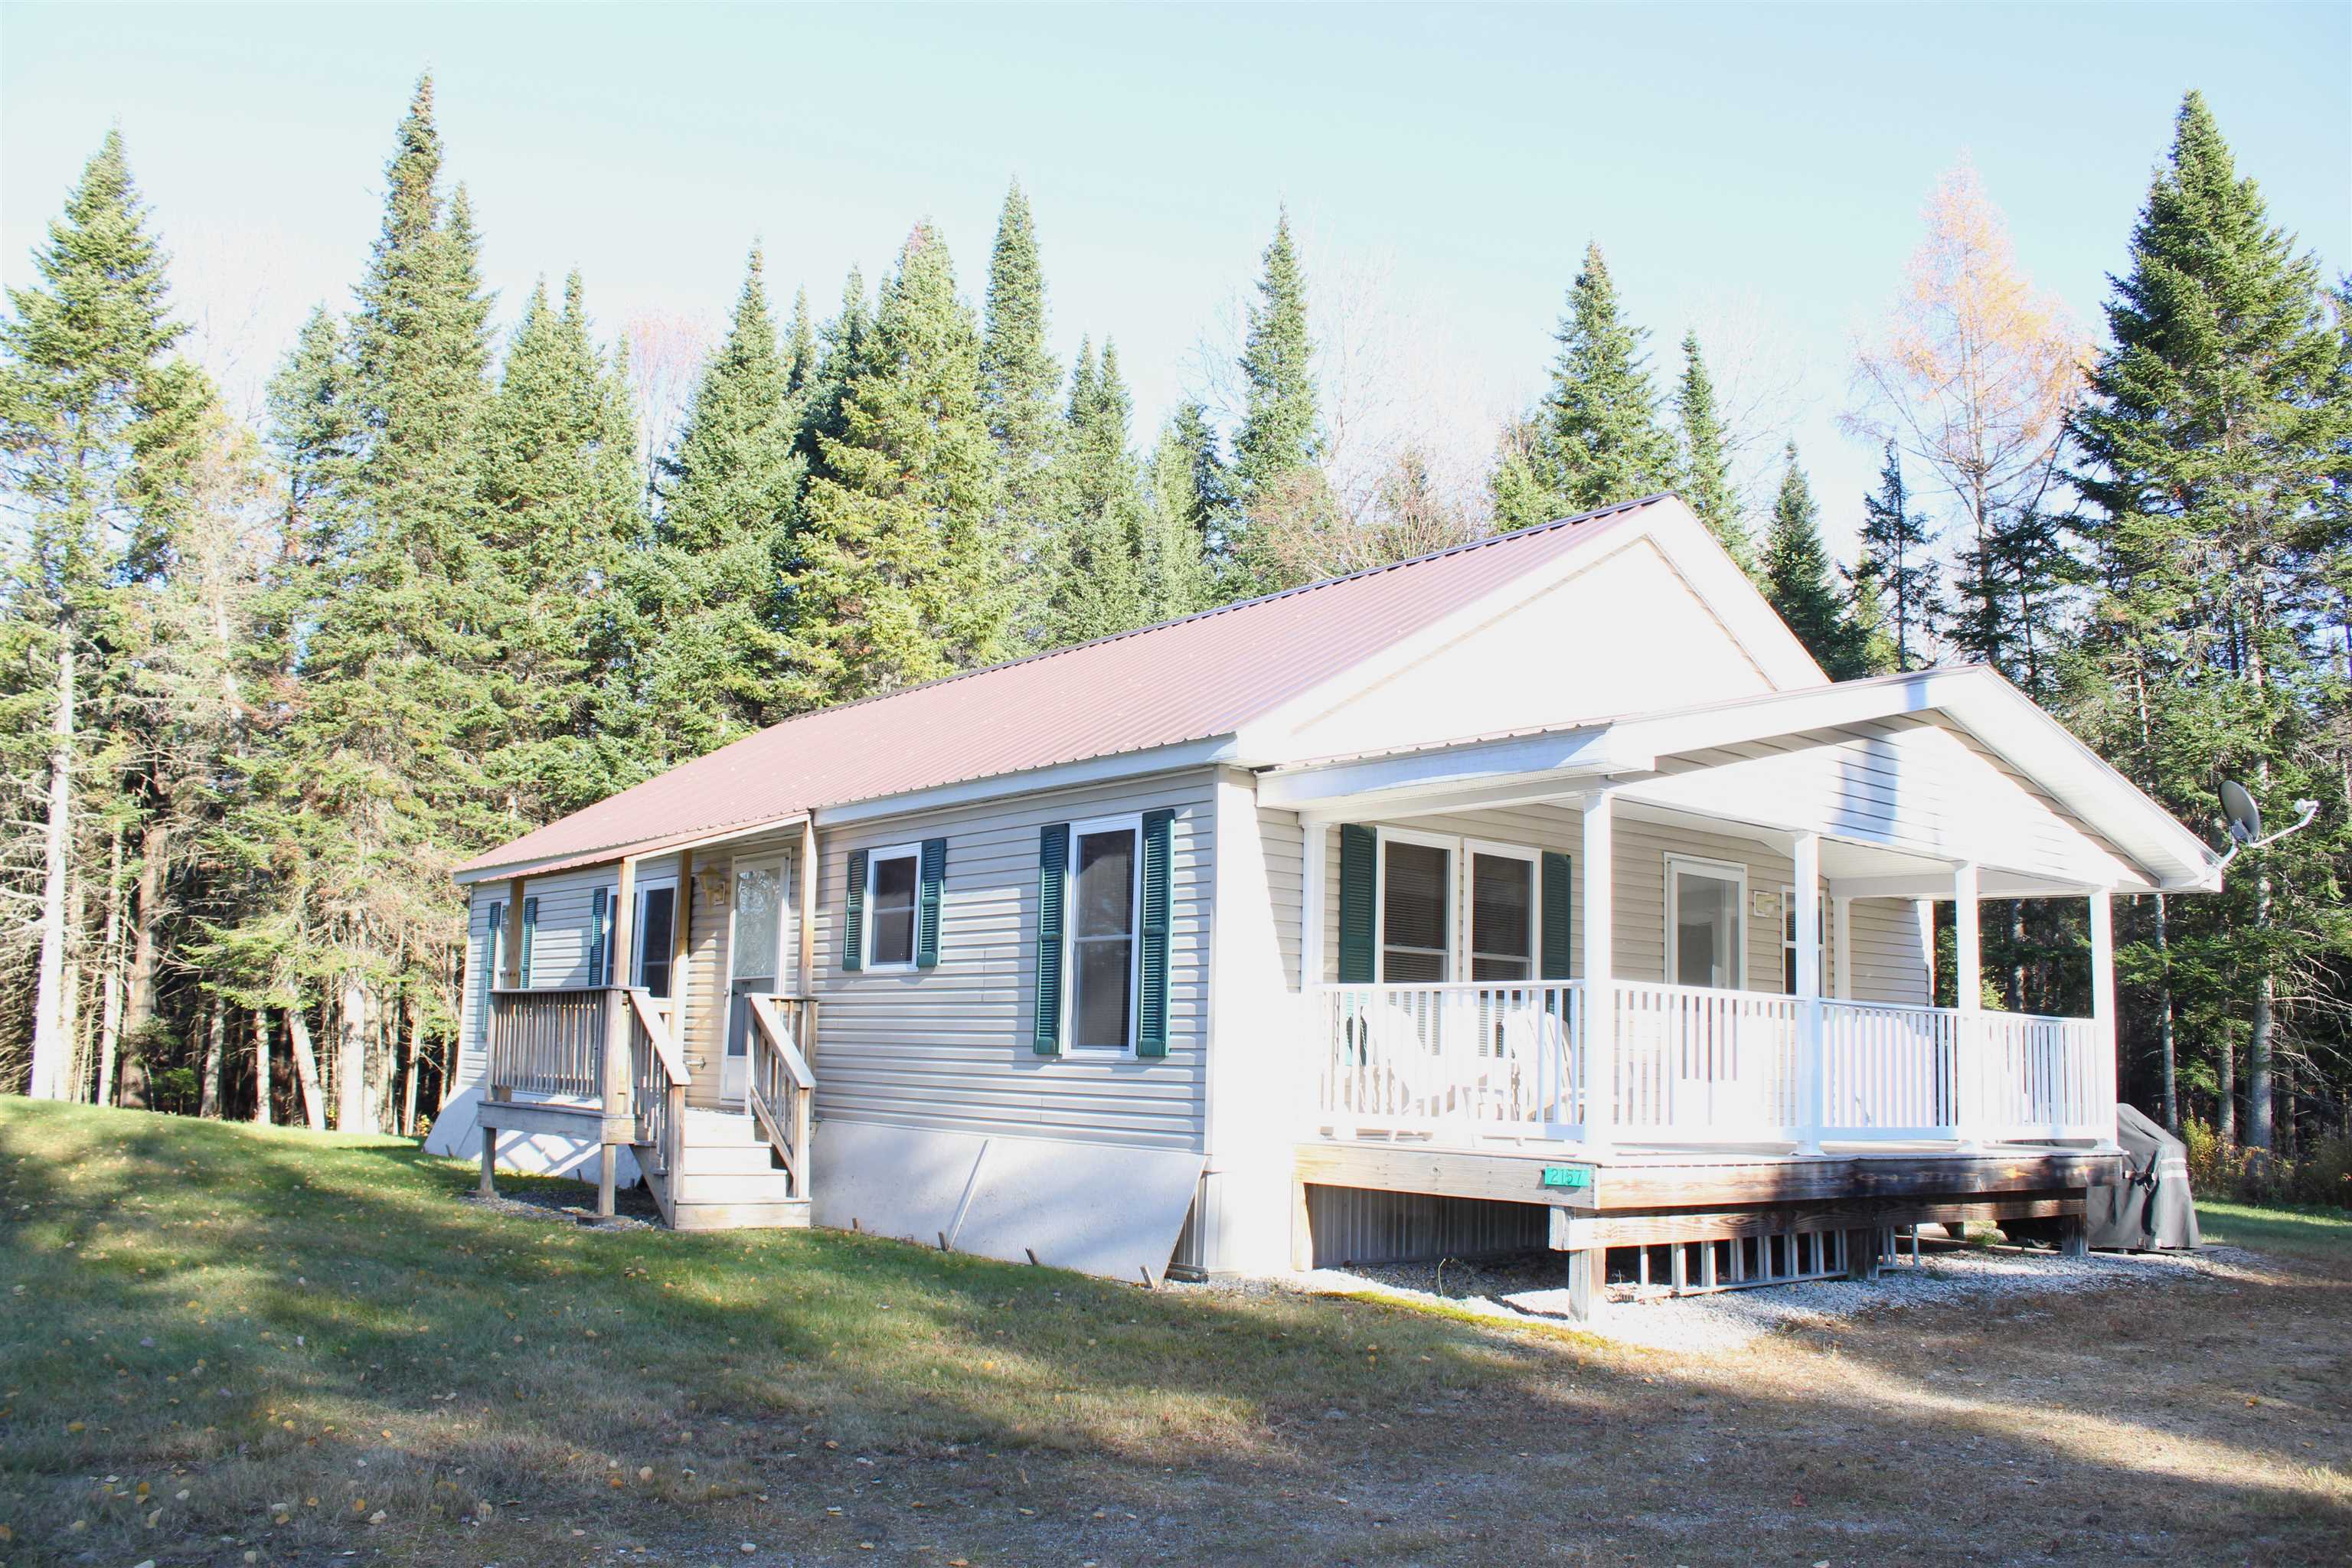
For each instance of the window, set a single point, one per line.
(656, 918)
(1788, 943)
(1104, 865)
(657, 921)
(1502, 913)
(892, 878)
(1706, 928)
(1416, 909)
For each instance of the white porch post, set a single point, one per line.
(1842, 947)
(1968, 996)
(1807, 856)
(619, 973)
(2103, 1014)
(1315, 1031)
(1600, 1042)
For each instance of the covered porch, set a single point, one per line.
(1713, 929)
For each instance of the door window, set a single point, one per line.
(1704, 922)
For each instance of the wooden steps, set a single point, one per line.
(728, 1178)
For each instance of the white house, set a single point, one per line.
(1272, 934)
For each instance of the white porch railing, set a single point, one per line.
(1692, 1065)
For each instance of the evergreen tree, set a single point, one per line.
(403, 700)
(705, 615)
(1097, 579)
(1282, 428)
(1599, 440)
(1021, 382)
(561, 485)
(2218, 445)
(1189, 500)
(1898, 569)
(840, 359)
(897, 580)
(100, 422)
(1797, 577)
(1705, 479)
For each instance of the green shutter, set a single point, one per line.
(926, 907)
(1151, 1014)
(1359, 846)
(488, 979)
(1053, 884)
(530, 930)
(600, 912)
(853, 918)
(1558, 949)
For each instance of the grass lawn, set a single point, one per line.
(225, 1346)
(2320, 1234)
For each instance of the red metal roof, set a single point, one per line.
(1189, 680)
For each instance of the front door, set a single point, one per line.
(756, 960)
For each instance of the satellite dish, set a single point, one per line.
(2244, 817)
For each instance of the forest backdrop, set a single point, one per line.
(267, 681)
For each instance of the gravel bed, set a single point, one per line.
(633, 1208)
(1520, 1290)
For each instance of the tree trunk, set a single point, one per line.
(351, 1060)
(215, 1047)
(2225, 1089)
(74, 1080)
(110, 1014)
(2258, 1041)
(261, 1112)
(51, 1045)
(416, 1068)
(306, 1067)
(2166, 1041)
(138, 1004)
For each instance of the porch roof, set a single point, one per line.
(1532, 765)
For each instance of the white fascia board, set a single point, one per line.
(1727, 589)
(612, 855)
(1989, 885)
(1584, 753)
(1189, 755)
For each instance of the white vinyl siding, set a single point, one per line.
(950, 1048)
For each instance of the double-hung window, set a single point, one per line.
(1789, 942)
(1502, 912)
(649, 965)
(1105, 867)
(893, 879)
(1416, 909)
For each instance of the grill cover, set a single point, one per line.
(2145, 1201)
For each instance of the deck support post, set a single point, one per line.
(1598, 1046)
(1806, 853)
(1862, 1252)
(2102, 1014)
(614, 1062)
(1967, 999)
(487, 1187)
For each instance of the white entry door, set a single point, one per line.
(757, 958)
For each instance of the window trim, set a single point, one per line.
(1130, 823)
(874, 858)
(1722, 871)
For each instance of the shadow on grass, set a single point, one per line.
(323, 1330)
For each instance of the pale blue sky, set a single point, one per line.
(1756, 171)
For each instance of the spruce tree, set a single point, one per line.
(840, 359)
(897, 580)
(1899, 568)
(1600, 441)
(561, 485)
(1705, 477)
(99, 424)
(2216, 443)
(1189, 500)
(1797, 576)
(1097, 578)
(1022, 382)
(705, 612)
(1282, 428)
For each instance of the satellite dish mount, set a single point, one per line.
(2244, 816)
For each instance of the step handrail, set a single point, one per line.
(780, 1085)
(656, 1094)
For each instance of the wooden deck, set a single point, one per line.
(1633, 1197)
